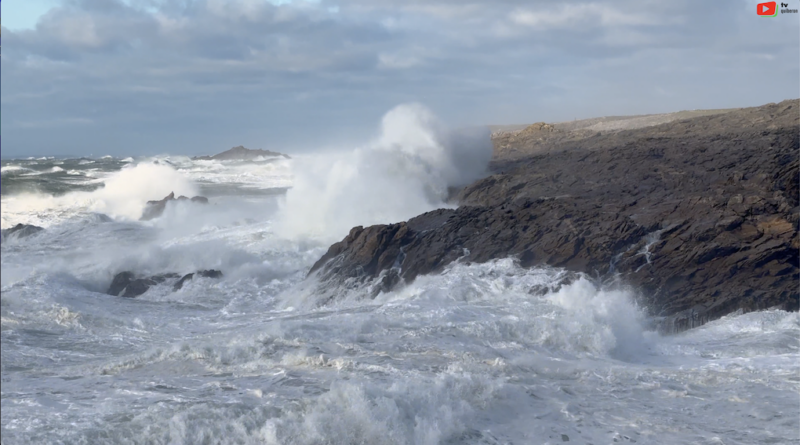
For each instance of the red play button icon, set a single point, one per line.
(768, 9)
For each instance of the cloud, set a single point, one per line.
(203, 75)
(580, 15)
(397, 61)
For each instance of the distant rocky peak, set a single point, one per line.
(241, 153)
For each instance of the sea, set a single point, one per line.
(265, 355)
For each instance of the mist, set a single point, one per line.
(403, 172)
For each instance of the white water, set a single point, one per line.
(406, 171)
(476, 355)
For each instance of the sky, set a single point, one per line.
(143, 77)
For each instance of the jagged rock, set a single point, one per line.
(127, 284)
(241, 153)
(19, 231)
(203, 273)
(154, 209)
(656, 205)
(120, 282)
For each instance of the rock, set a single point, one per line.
(655, 205)
(177, 286)
(127, 284)
(154, 209)
(241, 153)
(189, 276)
(19, 231)
(120, 282)
(210, 273)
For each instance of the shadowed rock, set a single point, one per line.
(701, 215)
(154, 209)
(203, 273)
(127, 284)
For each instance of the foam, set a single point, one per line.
(124, 196)
(406, 171)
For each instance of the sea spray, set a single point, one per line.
(406, 171)
(124, 195)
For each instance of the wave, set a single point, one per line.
(124, 196)
(13, 169)
(406, 171)
(564, 311)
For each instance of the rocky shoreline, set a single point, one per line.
(700, 215)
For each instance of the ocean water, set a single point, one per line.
(480, 354)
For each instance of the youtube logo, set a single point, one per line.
(768, 9)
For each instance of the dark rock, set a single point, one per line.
(19, 231)
(241, 154)
(180, 282)
(137, 287)
(210, 273)
(120, 282)
(154, 209)
(700, 222)
(127, 284)
(203, 273)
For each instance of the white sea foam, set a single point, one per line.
(406, 171)
(12, 169)
(124, 195)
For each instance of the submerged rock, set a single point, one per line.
(154, 209)
(19, 231)
(700, 215)
(127, 284)
(241, 153)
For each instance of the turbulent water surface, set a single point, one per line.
(481, 354)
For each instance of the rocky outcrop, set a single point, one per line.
(154, 209)
(241, 153)
(19, 231)
(203, 273)
(129, 285)
(700, 215)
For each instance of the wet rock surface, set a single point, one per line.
(129, 285)
(203, 273)
(154, 209)
(700, 215)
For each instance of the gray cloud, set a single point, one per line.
(188, 76)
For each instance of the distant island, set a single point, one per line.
(241, 153)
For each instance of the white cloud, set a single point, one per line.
(78, 30)
(580, 15)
